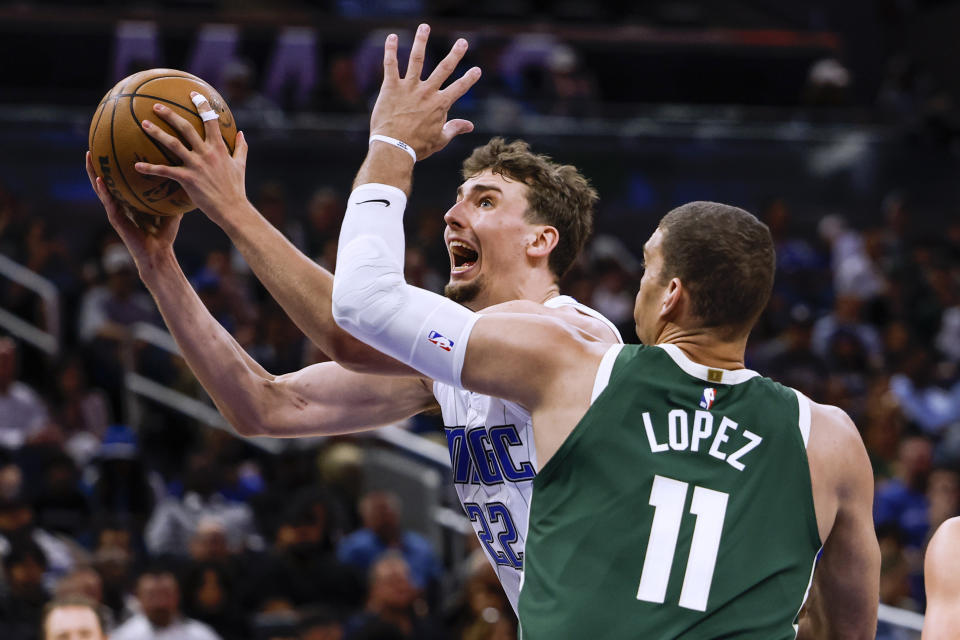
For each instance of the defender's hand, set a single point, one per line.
(146, 237)
(415, 110)
(212, 178)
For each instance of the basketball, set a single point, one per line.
(117, 139)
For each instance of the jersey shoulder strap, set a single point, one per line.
(568, 301)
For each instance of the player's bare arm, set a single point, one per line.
(214, 180)
(322, 399)
(845, 592)
(941, 571)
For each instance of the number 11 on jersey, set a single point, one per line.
(668, 498)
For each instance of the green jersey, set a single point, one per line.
(679, 507)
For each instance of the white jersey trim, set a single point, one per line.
(569, 301)
(604, 370)
(804, 403)
(703, 372)
(806, 593)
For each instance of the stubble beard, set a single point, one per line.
(464, 292)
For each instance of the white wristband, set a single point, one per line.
(400, 144)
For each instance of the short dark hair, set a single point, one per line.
(724, 257)
(558, 194)
(73, 601)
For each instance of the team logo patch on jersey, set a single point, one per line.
(440, 340)
(709, 395)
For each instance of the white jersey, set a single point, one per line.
(494, 463)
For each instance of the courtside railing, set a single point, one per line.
(46, 338)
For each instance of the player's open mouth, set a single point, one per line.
(463, 257)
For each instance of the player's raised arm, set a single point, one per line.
(513, 356)
(214, 180)
(846, 584)
(322, 399)
(941, 570)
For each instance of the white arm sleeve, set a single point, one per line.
(372, 301)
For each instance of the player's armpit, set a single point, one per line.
(528, 358)
(941, 570)
(326, 399)
(846, 585)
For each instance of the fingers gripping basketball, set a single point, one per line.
(118, 141)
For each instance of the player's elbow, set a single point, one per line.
(363, 308)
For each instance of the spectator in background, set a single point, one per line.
(324, 213)
(391, 600)
(121, 489)
(224, 293)
(341, 92)
(211, 596)
(158, 594)
(572, 89)
(381, 532)
(82, 412)
(250, 108)
(17, 522)
(302, 566)
(73, 618)
(932, 407)
(85, 584)
(175, 519)
(60, 506)
(21, 606)
(113, 558)
(107, 313)
(22, 412)
(845, 321)
(484, 612)
(901, 501)
(320, 624)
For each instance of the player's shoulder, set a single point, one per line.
(835, 446)
(833, 419)
(589, 326)
(945, 541)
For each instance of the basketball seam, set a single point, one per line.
(101, 107)
(116, 161)
(171, 158)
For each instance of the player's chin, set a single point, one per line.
(463, 292)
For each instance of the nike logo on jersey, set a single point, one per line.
(386, 203)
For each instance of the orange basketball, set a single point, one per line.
(117, 138)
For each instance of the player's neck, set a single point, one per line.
(705, 348)
(537, 287)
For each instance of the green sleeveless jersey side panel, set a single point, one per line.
(677, 508)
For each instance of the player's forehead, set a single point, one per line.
(489, 180)
(653, 244)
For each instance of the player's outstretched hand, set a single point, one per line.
(415, 110)
(146, 236)
(211, 176)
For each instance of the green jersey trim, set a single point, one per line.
(703, 372)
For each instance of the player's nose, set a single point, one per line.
(454, 217)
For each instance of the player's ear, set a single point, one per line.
(543, 240)
(671, 303)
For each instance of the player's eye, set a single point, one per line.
(485, 202)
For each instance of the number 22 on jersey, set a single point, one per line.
(668, 498)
